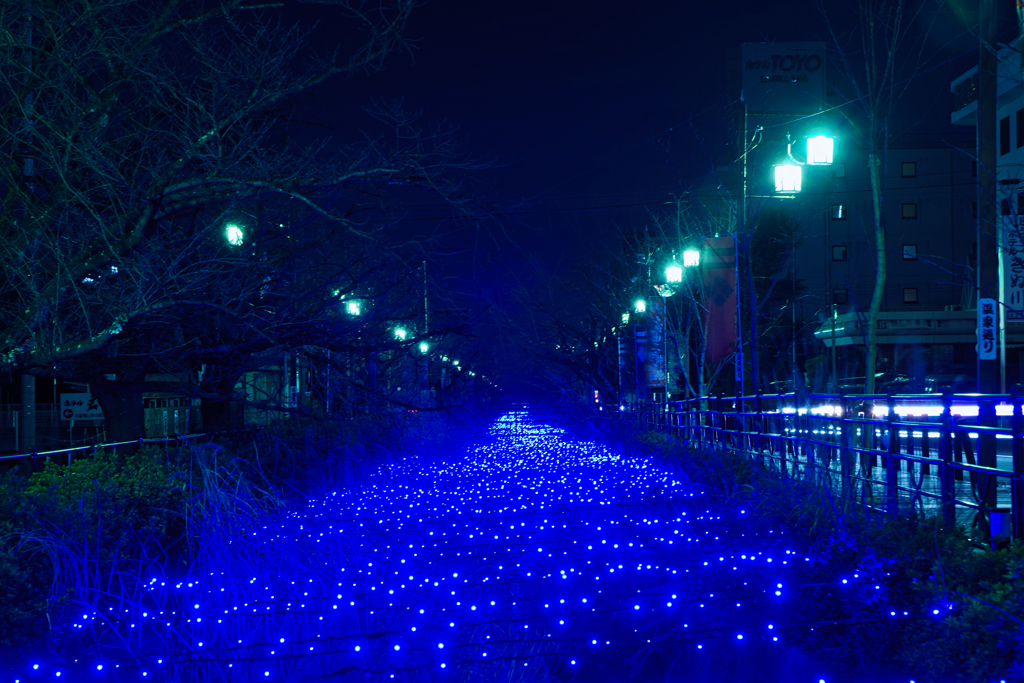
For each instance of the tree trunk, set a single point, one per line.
(217, 387)
(123, 415)
(874, 169)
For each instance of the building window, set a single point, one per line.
(1004, 135)
(910, 295)
(1020, 128)
(838, 252)
(840, 297)
(839, 212)
(909, 252)
(838, 170)
(910, 211)
(909, 169)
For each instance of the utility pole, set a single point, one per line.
(988, 254)
(987, 239)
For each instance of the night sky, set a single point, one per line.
(596, 111)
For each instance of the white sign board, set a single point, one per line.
(1013, 267)
(987, 329)
(79, 407)
(783, 77)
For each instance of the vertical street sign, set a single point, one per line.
(987, 329)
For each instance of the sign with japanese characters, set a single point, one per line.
(782, 77)
(79, 407)
(1013, 267)
(987, 329)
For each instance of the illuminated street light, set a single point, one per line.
(819, 150)
(424, 347)
(234, 234)
(353, 307)
(691, 258)
(625, 318)
(640, 306)
(674, 273)
(400, 333)
(787, 178)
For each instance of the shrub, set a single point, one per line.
(114, 506)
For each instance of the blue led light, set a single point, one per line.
(495, 547)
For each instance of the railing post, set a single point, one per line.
(846, 482)
(759, 424)
(947, 484)
(810, 449)
(1017, 483)
(987, 458)
(892, 467)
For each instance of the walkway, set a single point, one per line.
(534, 556)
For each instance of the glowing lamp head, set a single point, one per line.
(640, 306)
(819, 149)
(625, 318)
(424, 347)
(353, 307)
(674, 273)
(691, 258)
(234, 234)
(400, 333)
(787, 178)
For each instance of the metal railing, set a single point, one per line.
(35, 458)
(889, 453)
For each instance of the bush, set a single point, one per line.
(902, 564)
(25, 572)
(113, 506)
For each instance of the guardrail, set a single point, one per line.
(961, 456)
(35, 457)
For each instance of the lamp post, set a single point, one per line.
(789, 182)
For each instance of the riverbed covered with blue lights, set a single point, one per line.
(531, 556)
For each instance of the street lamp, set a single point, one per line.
(819, 149)
(353, 307)
(424, 348)
(400, 333)
(234, 234)
(640, 306)
(691, 258)
(788, 178)
(674, 274)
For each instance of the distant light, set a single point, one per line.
(424, 347)
(691, 258)
(234, 234)
(819, 150)
(400, 333)
(625, 318)
(353, 307)
(787, 178)
(674, 273)
(640, 306)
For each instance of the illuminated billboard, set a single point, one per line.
(784, 78)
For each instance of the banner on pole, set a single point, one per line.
(987, 329)
(655, 361)
(1013, 267)
(719, 281)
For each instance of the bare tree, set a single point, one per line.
(877, 60)
(134, 134)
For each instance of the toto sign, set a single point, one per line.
(783, 77)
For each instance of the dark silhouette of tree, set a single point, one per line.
(134, 135)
